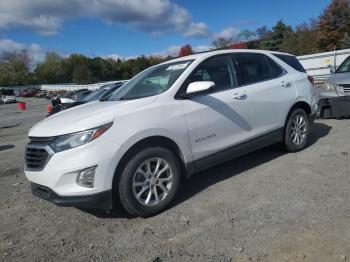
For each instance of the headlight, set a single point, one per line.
(328, 86)
(69, 141)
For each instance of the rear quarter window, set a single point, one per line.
(292, 61)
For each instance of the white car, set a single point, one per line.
(7, 95)
(8, 99)
(168, 122)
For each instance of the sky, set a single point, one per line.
(129, 28)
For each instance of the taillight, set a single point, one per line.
(311, 79)
(49, 108)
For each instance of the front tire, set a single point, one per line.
(297, 130)
(149, 182)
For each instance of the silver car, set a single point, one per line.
(340, 78)
(335, 95)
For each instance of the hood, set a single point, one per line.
(332, 78)
(340, 78)
(85, 117)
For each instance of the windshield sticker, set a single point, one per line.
(178, 66)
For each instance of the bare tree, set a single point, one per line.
(15, 68)
(222, 42)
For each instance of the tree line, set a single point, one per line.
(329, 31)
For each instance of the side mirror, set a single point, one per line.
(332, 71)
(199, 87)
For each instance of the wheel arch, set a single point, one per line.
(302, 105)
(299, 104)
(151, 141)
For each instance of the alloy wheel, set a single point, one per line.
(298, 130)
(152, 181)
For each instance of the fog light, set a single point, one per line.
(86, 177)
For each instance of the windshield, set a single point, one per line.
(345, 66)
(7, 92)
(95, 95)
(152, 81)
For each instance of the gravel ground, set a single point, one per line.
(265, 206)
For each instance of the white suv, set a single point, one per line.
(168, 122)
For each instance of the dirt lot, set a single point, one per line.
(266, 206)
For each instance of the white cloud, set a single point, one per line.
(172, 50)
(202, 48)
(153, 16)
(228, 33)
(198, 30)
(36, 52)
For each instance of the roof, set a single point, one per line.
(225, 51)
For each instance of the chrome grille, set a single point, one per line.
(346, 88)
(37, 153)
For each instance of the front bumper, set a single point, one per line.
(102, 200)
(9, 101)
(57, 178)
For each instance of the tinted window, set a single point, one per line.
(255, 68)
(218, 69)
(292, 61)
(345, 66)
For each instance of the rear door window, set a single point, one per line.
(254, 68)
(292, 61)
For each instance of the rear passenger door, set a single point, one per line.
(268, 89)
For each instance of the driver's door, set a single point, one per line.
(219, 119)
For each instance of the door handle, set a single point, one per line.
(239, 96)
(285, 84)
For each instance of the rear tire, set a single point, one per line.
(296, 133)
(149, 181)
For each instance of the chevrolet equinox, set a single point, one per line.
(168, 122)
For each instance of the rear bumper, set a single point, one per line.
(334, 107)
(102, 200)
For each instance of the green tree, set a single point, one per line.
(82, 74)
(262, 32)
(302, 41)
(15, 68)
(345, 42)
(51, 71)
(333, 24)
(273, 39)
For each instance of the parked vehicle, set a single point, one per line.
(17, 92)
(318, 65)
(58, 105)
(80, 94)
(41, 94)
(7, 95)
(335, 95)
(166, 123)
(29, 92)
